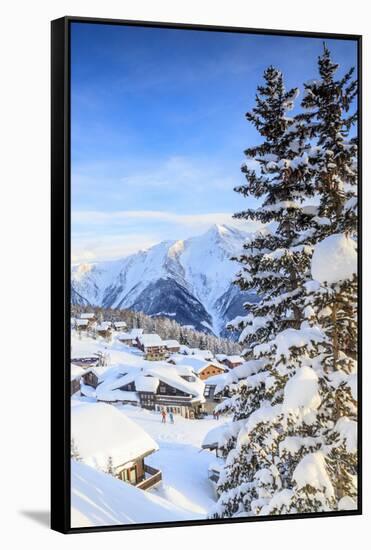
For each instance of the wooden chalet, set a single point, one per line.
(202, 367)
(104, 329)
(125, 338)
(88, 316)
(172, 346)
(106, 439)
(210, 369)
(76, 374)
(82, 324)
(130, 338)
(233, 361)
(87, 362)
(214, 391)
(135, 333)
(152, 346)
(162, 387)
(119, 325)
(90, 378)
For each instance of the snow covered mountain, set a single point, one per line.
(189, 281)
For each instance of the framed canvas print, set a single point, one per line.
(205, 274)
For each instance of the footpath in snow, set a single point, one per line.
(183, 463)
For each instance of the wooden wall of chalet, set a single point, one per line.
(210, 370)
(75, 385)
(90, 379)
(139, 467)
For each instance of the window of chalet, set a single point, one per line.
(128, 387)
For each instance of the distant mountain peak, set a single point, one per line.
(194, 276)
(219, 229)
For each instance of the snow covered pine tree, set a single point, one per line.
(326, 479)
(275, 264)
(296, 448)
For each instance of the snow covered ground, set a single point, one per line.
(98, 499)
(185, 491)
(183, 463)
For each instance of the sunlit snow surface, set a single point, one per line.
(185, 492)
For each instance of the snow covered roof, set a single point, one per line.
(100, 431)
(217, 437)
(125, 336)
(76, 371)
(82, 322)
(98, 371)
(132, 335)
(172, 377)
(104, 326)
(221, 356)
(171, 343)
(135, 332)
(109, 389)
(87, 390)
(234, 359)
(205, 353)
(149, 340)
(198, 364)
(238, 373)
(87, 315)
(120, 324)
(146, 383)
(218, 380)
(217, 466)
(99, 499)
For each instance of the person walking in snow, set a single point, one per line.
(163, 414)
(171, 416)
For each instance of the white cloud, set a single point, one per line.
(173, 176)
(124, 217)
(100, 235)
(109, 247)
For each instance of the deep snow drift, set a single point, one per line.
(98, 499)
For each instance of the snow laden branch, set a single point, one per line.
(294, 443)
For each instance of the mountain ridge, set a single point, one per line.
(189, 280)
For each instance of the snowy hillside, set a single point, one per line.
(189, 281)
(100, 499)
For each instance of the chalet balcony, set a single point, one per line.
(152, 477)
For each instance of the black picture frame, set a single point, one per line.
(60, 270)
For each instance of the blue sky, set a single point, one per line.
(158, 128)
